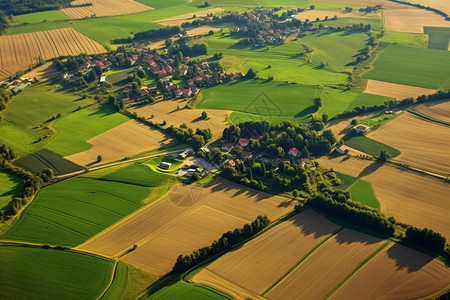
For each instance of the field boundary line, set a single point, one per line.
(427, 117)
(359, 266)
(302, 259)
(113, 275)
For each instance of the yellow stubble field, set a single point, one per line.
(103, 8)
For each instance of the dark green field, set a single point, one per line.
(46, 159)
(369, 146)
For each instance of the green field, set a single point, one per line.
(137, 174)
(258, 100)
(10, 186)
(362, 191)
(185, 291)
(413, 39)
(39, 17)
(70, 212)
(411, 65)
(379, 120)
(21, 140)
(438, 37)
(369, 146)
(36, 273)
(375, 23)
(75, 129)
(46, 159)
(346, 181)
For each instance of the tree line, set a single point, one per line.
(225, 242)
(4, 100)
(152, 34)
(18, 7)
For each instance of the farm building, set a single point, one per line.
(244, 142)
(340, 149)
(293, 152)
(361, 128)
(165, 165)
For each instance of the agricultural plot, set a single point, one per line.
(39, 17)
(127, 139)
(43, 73)
(102, 8)
(262, 261)
(413, 39)
(409, 197)
(174, 113)
(19, 51)
(422, 143)
(393, 90)
(46, 159)
(438, 110)
(412, 19)
(22, 141)
(10, 186)
(256, 100)
(321, 14)
(185, 219)
(438, 4)
(397, 272)
(50, 274)
(320, 272)
(185, 291)
(180, 19)
(362, 191)
(421, 67)
(70, 212)
(438, 37)
(370, 146)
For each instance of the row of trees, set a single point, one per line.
(18, 7)
(187, 50)
(155, 34)
(225, 242)
(196, 139)
(4, 100)
(4, 22)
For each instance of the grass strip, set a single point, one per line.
(427, 117)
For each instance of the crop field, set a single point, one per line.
(19, 51)
(362, 191)
(173, 112)
(75, 129)
(180, 19)
(320, 272)
(393, 90)
(370, 146)
(39, 17)
(127, 139)
(10, 186)
(46, 159)
(249, 266)
(412, 19)
(422, 143)
(49, 274)
(185, 219)
(43, 73)
(102, 8)
(202, 30)
(440, 5)
(185, 291)
(265, 101)
(438, 37)
(422, 67)
(70, 212)
(413, 39)
(409, 197)
(22, 141)
(438, 110)
(321, 14)
(397, 272)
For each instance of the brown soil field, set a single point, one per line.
(262, 261)
(318, 274)
(180, 19)
(397, 91)
(202, 30)
(412, 19)
(43, 73)
(386, 4)
(422, 143)
(439, 110)
(167, 111)
(127, 139)
(410, 197)
(185, 219)
(102, 8)
(19, 51)
(441, 5)
(321, 14)
(397, 273)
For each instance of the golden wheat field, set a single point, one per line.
(103, 8)
(394, 90)
(439, 110)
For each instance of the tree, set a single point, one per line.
(312, 7)
(250, 74)
(204, 115)
(325, 118)
(384, 156)
(99, 158)
(169, 43)
(354, 122)
(140, 73)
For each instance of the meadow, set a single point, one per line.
(39, 17)
(52, 274)
(70, 212)
(362, 191)
(21, 140)
(370, 146)
(422, 67)
(10, 186)
(184, 291)
(137, 173)
(438, 37)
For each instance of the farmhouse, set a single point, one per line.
(293, 152)
(361, 128)
(165, 165)
(244, 142)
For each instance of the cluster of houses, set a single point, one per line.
(17, 85)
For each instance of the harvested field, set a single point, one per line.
(127, 139)
(386, 4)
(249, 268)
(321, 14)
(202, 30)
(397, 91)
(19, 51)
(411, 198)
(326, 267)
(185, 219)
(412, 19)
(422, 143)
(438, 110)
(102, 8)
(441, 5)
(43, 73)
(397, 272)
(167, 111)
(180, 19)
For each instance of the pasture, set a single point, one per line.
(254, 99)
(124, 140)
(426, 197)
(102, 8)
(413, 39)
(186, 218)
(52, 274)
(369, 146)
(46, 159)
(437, 109)
(21, 140)
(422, 67)
(185, 291)
(422, 143)
(70, 212)
(174, 113)
(10, 186)
(362, 191)
(412, 20)
(39, 17)
(397, 272)
(20, 51)
(394, 90)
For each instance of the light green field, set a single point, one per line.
(369, 146)
(185, 291)
(153, 164)
(346, 181)
(413, 39)
(39, 17)
(375, 23)
(272, 101)
(36, 273)
(414, 66)
(22, 141)
(75, 129)
(377, 121)
(362, 191)
(70, 212)
(137, 174)
(10, 186)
